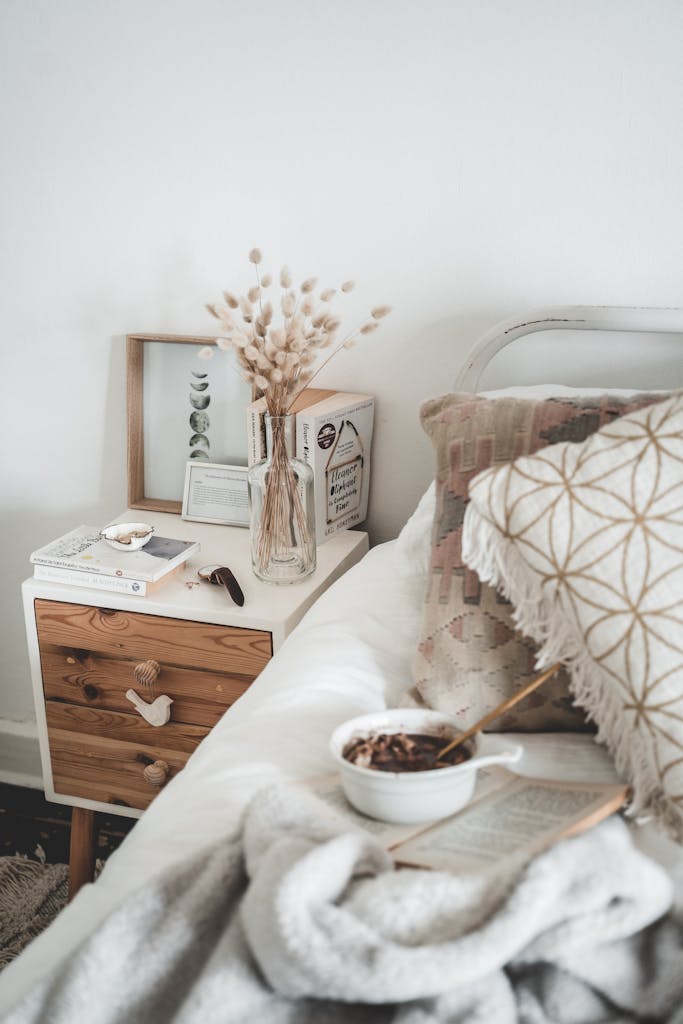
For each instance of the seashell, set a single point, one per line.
(157, 773)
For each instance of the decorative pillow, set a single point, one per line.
(470, 656)
(587, 542)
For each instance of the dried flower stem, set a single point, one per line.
(283, 515)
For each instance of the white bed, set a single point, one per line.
(350, 655)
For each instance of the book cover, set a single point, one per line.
(334, 437)
(95, 581)
(256, 425)
(84, 550)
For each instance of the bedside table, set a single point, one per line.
(85, 645)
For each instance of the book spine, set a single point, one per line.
(89, 580)
(67, 564)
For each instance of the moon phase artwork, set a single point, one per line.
(199, 419)
(199, 401)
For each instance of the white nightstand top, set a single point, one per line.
(272, 607)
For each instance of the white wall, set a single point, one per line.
(464, 160)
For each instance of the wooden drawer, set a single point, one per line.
(99, 745)
(93, 680)
(107, 770)
(171, 641)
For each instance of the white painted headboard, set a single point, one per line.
(651, 320)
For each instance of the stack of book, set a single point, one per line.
(333, 435)
(82, 558)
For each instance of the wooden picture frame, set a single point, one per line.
(136, 387)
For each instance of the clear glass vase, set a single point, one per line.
(282, 508)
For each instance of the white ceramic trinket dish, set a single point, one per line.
(127, 536)
(409, 797)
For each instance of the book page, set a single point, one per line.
(328, 788)
(510, 825)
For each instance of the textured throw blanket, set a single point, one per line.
(299, 921)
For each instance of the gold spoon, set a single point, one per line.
(508, 703)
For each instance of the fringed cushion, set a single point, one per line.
(587, 542)
(470, 656)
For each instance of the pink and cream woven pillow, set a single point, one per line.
(470, 656)
(587, 542)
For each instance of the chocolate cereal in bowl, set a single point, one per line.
(391, 768)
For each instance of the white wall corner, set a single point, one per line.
(20, 754)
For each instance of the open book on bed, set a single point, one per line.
(512, 816)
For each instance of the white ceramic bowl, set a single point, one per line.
(409, 797)
(110, 533)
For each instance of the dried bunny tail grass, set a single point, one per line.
(255, 256)
(380, 311)
(285, 277)
(348, 286)
(261, 382)
(231, 300)
(212, 309)
(288, 304)
(224, 344)
(254, 293)
(308, 285)
(308, 306)
(266, 281)
(267, 314)
(328, 294)
(206, 352)
(350, 343)
(369, 328)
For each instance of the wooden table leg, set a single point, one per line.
(82, 849)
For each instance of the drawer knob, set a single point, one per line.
(146, 673)
(156, 773)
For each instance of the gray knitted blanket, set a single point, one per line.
(297, 920)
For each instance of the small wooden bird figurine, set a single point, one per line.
(157, 713)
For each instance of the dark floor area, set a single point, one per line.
(28, 823)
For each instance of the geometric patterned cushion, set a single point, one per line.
(587, 540)
(470, 656)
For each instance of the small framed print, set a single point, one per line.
(216, 494)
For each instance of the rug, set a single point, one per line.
(31, 896)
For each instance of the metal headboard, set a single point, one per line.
(652, 320)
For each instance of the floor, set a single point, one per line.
(40, 830)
